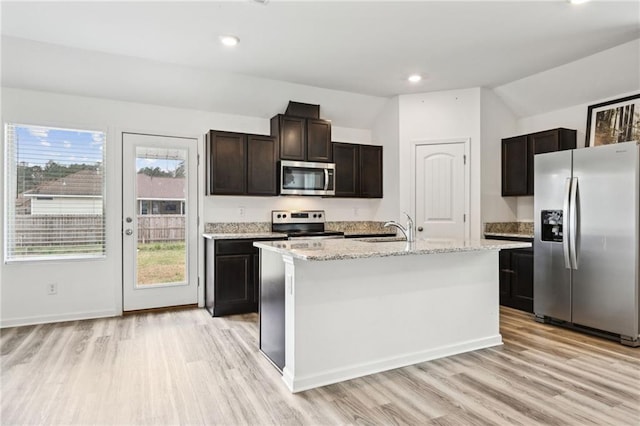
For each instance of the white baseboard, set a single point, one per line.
(46, 319)
(299, 384)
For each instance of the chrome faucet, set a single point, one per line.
(408, 231)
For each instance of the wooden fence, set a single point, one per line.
(56, 230)
(160, 228)
(44, 230)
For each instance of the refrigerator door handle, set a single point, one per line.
(573, 223)
(565, 223)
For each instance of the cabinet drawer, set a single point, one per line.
(234, 247)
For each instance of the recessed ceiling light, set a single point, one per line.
(415, 78)
(229, 40)
(577, 1)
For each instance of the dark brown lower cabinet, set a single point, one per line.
(516, 279)
(232, 276)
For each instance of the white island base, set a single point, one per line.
(348, 318)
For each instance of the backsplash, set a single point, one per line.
(236, 227)
(509, 227)
(351, 227)
(354, 227)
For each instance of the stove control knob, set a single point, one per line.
(284, 216)
(279, 216)
(315, 215)
(319, 214)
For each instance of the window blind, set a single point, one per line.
(54, 194)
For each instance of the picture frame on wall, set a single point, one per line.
(614, 121)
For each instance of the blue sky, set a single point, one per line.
(38, 145)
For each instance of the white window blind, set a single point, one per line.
(55, 193)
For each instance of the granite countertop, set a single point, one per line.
(522, 230)
(243, 235)
(364, 233)
(509, 235)
(318, 250)
(251, 235)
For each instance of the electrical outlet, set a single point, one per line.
(52, 288)
(241, 211)
(356, 211)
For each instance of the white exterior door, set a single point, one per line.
(159, 221)
(440, 183)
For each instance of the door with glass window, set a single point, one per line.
(159, 221)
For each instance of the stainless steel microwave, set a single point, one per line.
(305, 178)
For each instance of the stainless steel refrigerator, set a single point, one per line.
(586, 246)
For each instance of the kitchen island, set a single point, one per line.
(333, 310)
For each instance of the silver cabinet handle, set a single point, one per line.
(420, 228)
(129, 220)
(129, 232)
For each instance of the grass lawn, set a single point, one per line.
(161, 263)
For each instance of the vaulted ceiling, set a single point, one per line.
(364, 47)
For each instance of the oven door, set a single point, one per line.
(304, 178)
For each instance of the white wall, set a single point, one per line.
(453, 114)
(604, 74)
(93, 288)
(386, 133)
(497, 122)
(574, 117)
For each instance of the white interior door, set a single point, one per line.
(159, 221)
(440, 173)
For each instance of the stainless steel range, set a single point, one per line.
(299, 224)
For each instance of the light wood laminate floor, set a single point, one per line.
(184, 367)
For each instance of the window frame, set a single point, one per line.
(10, 194)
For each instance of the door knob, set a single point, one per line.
(129, 232)
(420, 228)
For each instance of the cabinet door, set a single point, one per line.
(262, 157)
(371, 171)
(227, 163)
(506, 275)
(291, 133)
(540, 143)
(347, 159)
(522, 284)
(234, 287)
(515, 162)
(256, 278)
(319, 140)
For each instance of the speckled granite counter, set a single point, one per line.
(518, 230)
(350, 249)
(249, 230)
(243, 235)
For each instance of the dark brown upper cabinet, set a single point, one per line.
(358, 170)
(347, 175)
(241, 164)
(262, 159)
(302, 139)
(515, 154)
(518, 155)
(371, 171)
